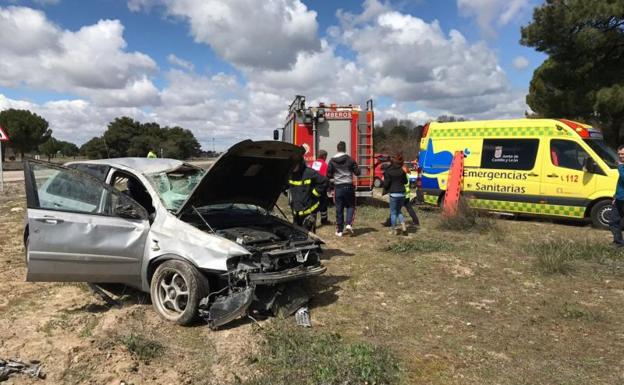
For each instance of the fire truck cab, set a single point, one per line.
(322, 127)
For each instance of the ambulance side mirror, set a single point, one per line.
(591, 166)
(275, 134)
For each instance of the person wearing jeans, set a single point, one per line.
(617, 211)
(341, 169)
(394, 184)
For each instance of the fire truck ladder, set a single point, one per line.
(365, 147)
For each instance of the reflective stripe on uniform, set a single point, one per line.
(308, 211)
(315, 193)
(299, 182)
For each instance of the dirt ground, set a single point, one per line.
(455, 307)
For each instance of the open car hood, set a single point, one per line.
(249, 172)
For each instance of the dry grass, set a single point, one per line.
(447, 306)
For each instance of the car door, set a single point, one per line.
(80, 229)
(565, 182)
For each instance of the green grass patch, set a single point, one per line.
(293, 355)
(419, 246)
(61, 321)
(556, 256)
(576, 311)
(142, 348)
(89, 326)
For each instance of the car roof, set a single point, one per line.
(140, 165)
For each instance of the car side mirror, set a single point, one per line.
(128, 211)
(275, 134)
(591, 166)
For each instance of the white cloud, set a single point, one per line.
(491, 13)
(249, 33)
(74, 120)
(176, 61)
(401, 111)
(278, 54)
(90, 62)
(408, 59)
(520, 63)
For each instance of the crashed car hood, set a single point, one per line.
(249, 172)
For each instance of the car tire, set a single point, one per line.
(600, 214)
(377, 183)
(176, 289)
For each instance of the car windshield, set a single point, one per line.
(174, 187)
(605, 152)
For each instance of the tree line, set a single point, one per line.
(29, 133)
(402, 136)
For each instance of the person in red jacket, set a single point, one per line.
(320, 165)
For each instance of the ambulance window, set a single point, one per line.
(509, 154)
(567, 154)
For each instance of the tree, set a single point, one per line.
(582, 77)
(50, 147)
(68, 148)
(126, 137)
(94, 149)
(25, 129)
(119, 135)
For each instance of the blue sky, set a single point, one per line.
(228, 70)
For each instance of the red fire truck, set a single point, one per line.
(322, 127)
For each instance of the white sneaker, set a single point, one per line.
(338, 234)
(349, 229)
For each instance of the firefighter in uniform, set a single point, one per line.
(305, 187)
(320, 165)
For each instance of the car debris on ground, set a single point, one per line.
(10, 367)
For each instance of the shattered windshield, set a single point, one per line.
(174, 187)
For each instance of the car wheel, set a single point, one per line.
(601, 214)
(176, 289)
(377, 183)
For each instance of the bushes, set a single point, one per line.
(556, 256)
(467, 219)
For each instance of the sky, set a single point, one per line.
(227, 70)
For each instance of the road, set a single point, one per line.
(18, 176)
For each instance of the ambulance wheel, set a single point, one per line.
(601, 214)
(377, 183)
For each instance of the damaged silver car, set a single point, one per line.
(202, 243)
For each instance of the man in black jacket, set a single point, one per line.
(305, 187)
(341, 169)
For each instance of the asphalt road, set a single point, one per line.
(18, 176)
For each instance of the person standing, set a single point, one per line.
(408, 200)
(305, 187)
(617, 211)
(152, 154)
(320, 165)
(394, 185)
(341, 169)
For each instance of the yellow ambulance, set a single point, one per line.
(542, 167)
